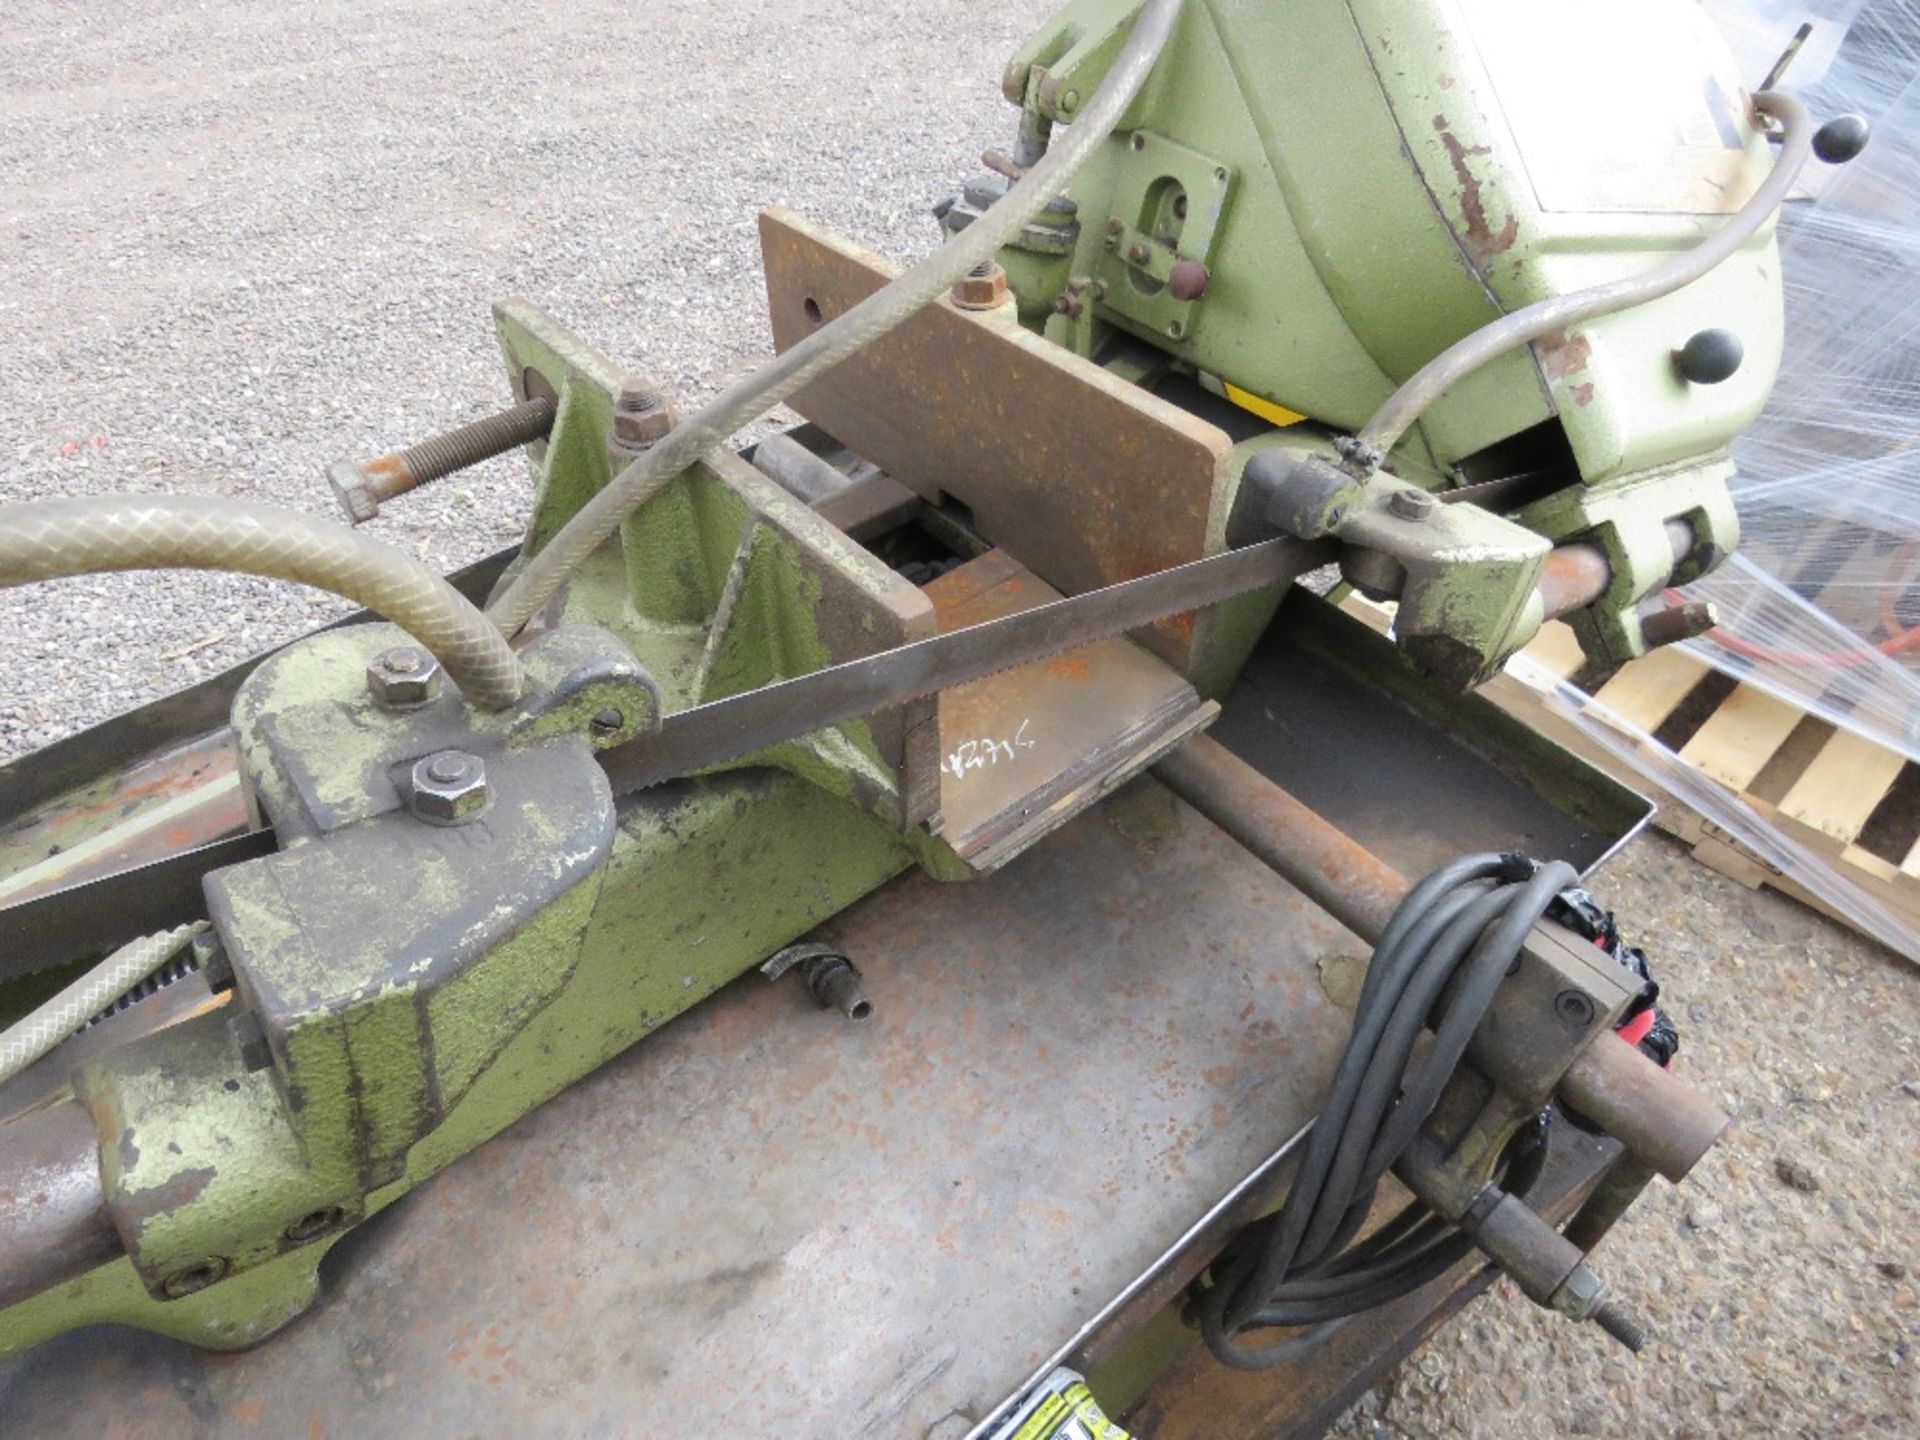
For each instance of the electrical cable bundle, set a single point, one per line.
(1442, 957)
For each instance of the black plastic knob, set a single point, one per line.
(1709, 357)
(1841, 138)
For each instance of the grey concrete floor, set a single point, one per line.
(238, 241)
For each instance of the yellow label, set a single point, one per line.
(1070, 1414)
(1268, 411)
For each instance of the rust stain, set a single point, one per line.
(1583, 394)
(182, 1190)
(1481, 238)
(387, 467)
(1074, 666)
(250, 1412)
(1561, 357)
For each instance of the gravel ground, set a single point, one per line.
(239, 241)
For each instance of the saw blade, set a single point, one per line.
(88, 918)
(703, 736)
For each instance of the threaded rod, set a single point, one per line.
(482, 440)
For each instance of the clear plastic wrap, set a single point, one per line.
(1821, 607)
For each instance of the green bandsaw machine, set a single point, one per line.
(1458, 303)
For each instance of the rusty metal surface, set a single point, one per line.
(1024, 750)
(766, 1219)
(1331, 713)
(157, 807)
(1083, 477)
(1668, 1124)
(53, 1216)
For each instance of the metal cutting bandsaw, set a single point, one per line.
(1457, 303)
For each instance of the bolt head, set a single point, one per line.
(981, 292)
(449, 788)
(351, 490)
(403, 677)
(1412, 504)
(1575, 1007)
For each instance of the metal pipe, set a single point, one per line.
(1578, 574)
(797, 470)
(1341, 876)
(1452, 365)
(54, 1224)
(1664, 1122)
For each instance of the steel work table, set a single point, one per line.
(766, 1219)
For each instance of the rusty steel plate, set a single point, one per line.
(1025, 750)
(767, 1220)
(1083, 477)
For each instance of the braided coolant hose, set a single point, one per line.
(66, 1013)
(48, 539)
(847, 334)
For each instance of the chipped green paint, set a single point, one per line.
(419, 987)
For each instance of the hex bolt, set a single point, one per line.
(362, 489)
(1412, 504)
(449, 788)
(403, 678)
(1575, 1007)
(1138, 253)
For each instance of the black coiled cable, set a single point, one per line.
(1456, 936)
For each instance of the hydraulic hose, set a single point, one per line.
(48, 539)
(1452, 365)
(1454, 936)
(66, 1013)
(847, 334)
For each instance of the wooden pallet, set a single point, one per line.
(1853, 803)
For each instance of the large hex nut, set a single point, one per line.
(641, 416)
(981, 288)
(449, 788)
(403, 677)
